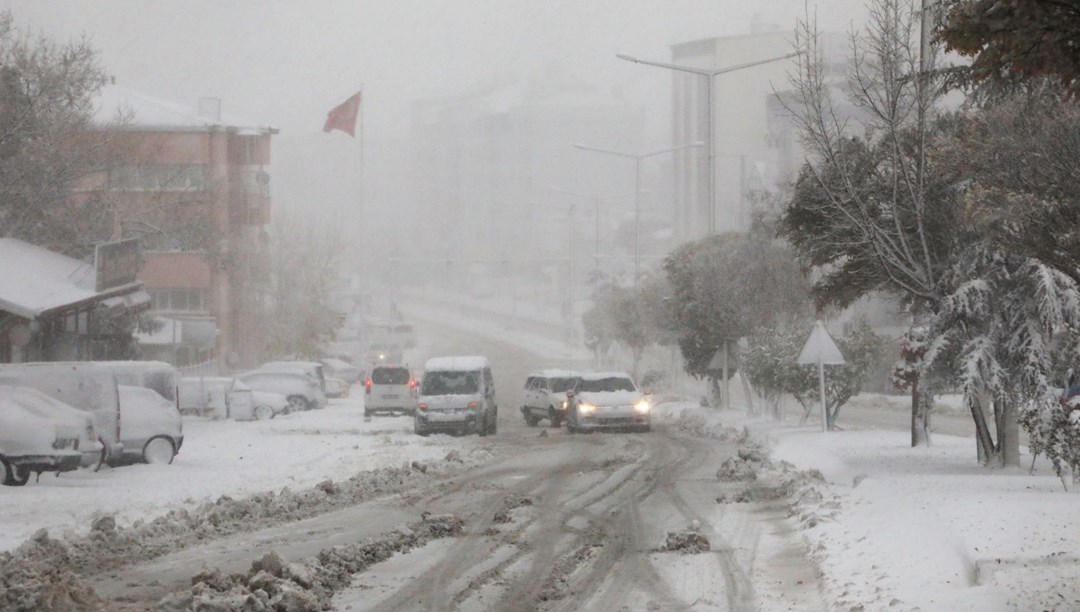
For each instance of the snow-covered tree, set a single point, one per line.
(871, 212)
(724, 286)
(631, 316)
(46, 140)
(1000, 332)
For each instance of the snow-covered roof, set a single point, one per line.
(454, 364)
(34, 281)
(603, 375)
(150, 113)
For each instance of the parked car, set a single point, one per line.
(457, 394)
(314, 369)
(390, 388)
(339, 368)
(545, 396)
(607, 400)
(153, 430)
(157, 375)
(336, 388)
(227, 397)
(73, 429)
(81, 385)
(30, 443)
(301, 390)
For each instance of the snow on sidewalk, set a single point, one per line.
(927, 528)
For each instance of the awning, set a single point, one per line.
(200, 333)
(137, 301)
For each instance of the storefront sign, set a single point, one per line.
(117, 263)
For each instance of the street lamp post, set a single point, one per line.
(597, 199)
(637, 190)
(709, 73)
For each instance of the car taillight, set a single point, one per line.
(474, 404)
(422, 407)
(412, 382)
(367, 386)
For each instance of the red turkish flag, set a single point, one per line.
(343, 116)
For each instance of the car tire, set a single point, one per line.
(482, 426)
(493, 426)
(369, 413)
(420, 432)
(159, 451)
(298, 403)
(103, 459)
(14, 476)
(531, 421)
(554, 417)
(264, 413)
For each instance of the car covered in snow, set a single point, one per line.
(390, 389)
(314, 369)
(603, 400)
(457, 394)
(336, 388)
(157, 375)
(225, 397)
(300, 390)
(41, 434)
(82, 385)
(339, 368)
(545, 396)
(153, 430)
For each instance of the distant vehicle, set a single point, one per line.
(228, 397)
(545, 396)
(31, 443)
(71, 430)
(379, 353)
(301, 390)
(82, 385)
(607, 400)
(339, 368)
(457, 394)
(336, 388)
(390, 388)
(153, 430)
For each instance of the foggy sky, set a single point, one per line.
(286, 63)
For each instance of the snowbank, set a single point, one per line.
(902, 528)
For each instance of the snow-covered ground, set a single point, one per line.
(221, 458)
(927, 528)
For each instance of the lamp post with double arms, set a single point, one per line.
(708, 73)
(637, 189)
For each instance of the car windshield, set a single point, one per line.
(390, 376)
(450, 383)
(559, 385)
(612, 383)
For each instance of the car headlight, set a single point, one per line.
(642, 407)
(586, 408)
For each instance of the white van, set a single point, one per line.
(457, 394)
(83, 385)
(390, 388)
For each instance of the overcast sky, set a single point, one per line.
(286, 63)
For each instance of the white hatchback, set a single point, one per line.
(390, 389)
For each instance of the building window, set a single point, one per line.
(158, 177)
(182, 299)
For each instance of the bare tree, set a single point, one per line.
(868, 210)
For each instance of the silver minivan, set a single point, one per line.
(457, 394)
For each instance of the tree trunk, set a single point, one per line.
(921, 401)
(985, 448)
(1008, 435)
